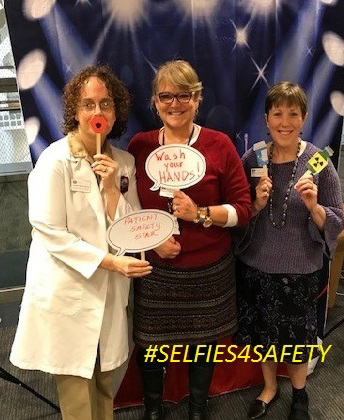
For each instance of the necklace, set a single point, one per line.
(188, 143)
(170, 200)
(282, 222)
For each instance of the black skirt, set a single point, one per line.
(185, 306)
(277, 310)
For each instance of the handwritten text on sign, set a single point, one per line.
(140, 231)
(175, 166)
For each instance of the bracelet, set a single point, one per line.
(198, 216)
(208, 220)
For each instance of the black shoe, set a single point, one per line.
(197, 412)
(153, 386)
(157, 414)
(259, 408)
(199, 381)
(299, 411)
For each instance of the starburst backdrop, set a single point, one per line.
(239, 48)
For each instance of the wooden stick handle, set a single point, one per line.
(98, 143)
(143, 255)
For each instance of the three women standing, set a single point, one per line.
(76, 291)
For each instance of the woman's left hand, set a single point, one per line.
(106, 168)
(183, 207)
(308, 192)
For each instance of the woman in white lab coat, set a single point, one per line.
(73, 320)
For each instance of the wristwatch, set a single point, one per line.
(203, 217)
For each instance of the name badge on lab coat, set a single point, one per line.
(80, 185)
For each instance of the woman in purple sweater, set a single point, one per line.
(295, 220)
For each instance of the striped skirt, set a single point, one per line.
(185, 306)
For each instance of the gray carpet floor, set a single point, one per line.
(325, 384)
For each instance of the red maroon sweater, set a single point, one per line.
(224, 182)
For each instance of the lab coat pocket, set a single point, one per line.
(122, 289)
(58, 288)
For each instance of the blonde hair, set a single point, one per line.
(179, 73)
(286, 92)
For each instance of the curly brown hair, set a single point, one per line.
(116, 89)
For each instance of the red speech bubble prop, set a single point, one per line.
(98, 124)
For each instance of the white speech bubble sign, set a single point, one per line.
(175, 166)
(140, 231)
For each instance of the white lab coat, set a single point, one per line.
(69, 305)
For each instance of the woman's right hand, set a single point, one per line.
(131, 267)
(263, 189)
(168, 249)
(127, 266)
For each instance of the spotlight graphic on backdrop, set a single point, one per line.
(334, 47)
(31, 68)
(36, 9)
(218, 36)
(198, 9)
(337, 102)
(126, 14)
(32, 126)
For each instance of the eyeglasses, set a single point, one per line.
(106, 105)
(168, 98)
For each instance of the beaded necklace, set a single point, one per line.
(280, 224)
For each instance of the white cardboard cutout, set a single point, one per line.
(175, 166)
(140, 231)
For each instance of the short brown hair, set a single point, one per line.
(286, 92)
(116, 89)
(181, 74)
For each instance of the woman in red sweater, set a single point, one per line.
(189, 298)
